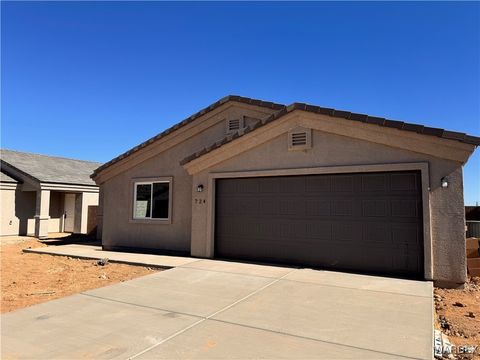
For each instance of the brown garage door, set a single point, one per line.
(369, 222)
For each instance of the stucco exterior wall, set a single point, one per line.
(18, 211)
(446, 204)
(82, 202)
(88, 199)
(100, 212)
(16, 208)
(9, 223)
(192, 218)
(119, 230)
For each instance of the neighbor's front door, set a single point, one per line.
(69, 212)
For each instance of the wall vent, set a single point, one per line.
(300, 139)
(234, 125)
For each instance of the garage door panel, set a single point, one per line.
(405, 208)
(405, 182)
(321, 230)
(266, 187)
(291, 206)
(407, 234)
(358, 222)
(346, 230)
(286, 251)
(318, 184)
(374, 183)
(375, 208)
(291, 185)
(343, 207)
(318, 207)
(343, 183)
(377, 233)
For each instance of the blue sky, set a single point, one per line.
(90, 80)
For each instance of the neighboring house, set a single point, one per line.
(41, 194)
(472, 213)
(472, 216)
(299, 184)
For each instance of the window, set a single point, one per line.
(152, 200)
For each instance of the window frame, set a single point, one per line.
(133, 199)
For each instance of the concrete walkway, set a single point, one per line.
(85, 251)
(208, 309)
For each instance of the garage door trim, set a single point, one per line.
(421, 166)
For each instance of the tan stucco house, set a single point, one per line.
(42, 194)
(300, 184)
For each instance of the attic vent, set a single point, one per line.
(300, 139)
(234, 125)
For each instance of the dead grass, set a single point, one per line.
(28, 279)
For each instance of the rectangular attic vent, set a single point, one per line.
(300, 139)
(234, 125)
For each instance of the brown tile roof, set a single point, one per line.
(420, 129)
(241, 99)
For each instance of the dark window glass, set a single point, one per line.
(160, 200)
(142, 202)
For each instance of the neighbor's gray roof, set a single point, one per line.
(50, 169)
(5, 178)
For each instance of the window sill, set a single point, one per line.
(151, 221)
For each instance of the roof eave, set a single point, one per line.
(31, 177)
(190, 161)
(229, 98)
(400, 125)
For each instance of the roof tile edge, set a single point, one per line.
(400, 125)
(188, 120)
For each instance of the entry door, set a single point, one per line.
(69, 212)
(369, 223)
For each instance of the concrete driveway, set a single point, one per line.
(215, 310)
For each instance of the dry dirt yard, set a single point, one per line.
(458, 314)
(28, 279)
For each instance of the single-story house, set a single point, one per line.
(472, 216)
(41, 194)
(299, 184)
(472, 213)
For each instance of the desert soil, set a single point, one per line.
(28, 279)
(458, 314)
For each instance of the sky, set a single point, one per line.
(90, 80)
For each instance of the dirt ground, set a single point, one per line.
(28, 279)
(458, 314)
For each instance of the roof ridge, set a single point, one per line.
(281, 110)
(50, 156)
(396, 124)
(188, 120)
